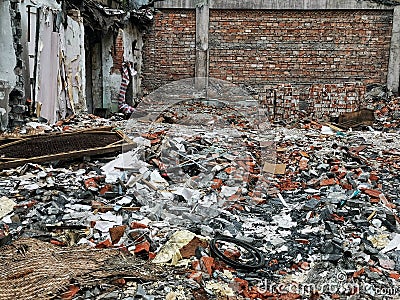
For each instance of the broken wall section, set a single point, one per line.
(44, 52)
(52, 60)
(8, 60)
(75, 61)
(123, 48)
(10, 50)
(321, 101)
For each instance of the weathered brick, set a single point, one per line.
(269, 48)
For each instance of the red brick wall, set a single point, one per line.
(169, 48)
(117, 53)
(260, 48)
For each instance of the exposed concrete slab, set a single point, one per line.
(202, 26)
(274, 4)
(393, 77)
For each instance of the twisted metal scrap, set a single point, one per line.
(32, 269)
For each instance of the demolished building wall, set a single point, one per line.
(112, 64)
(41, 46)
(7, 63)
(265, 44)
(75, 61)
(119, 50)
(51, 56)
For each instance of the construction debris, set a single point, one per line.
(213, 209)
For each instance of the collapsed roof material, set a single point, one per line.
(99, 17)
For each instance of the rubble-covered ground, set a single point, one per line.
(207, 207)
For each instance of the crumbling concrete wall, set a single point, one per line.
(44, 56)
(7, 61)
(11, 98)
(112, 58)
(133, 44)
(54, 60)
(75, 61)
(125, 47)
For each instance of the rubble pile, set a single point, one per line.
(387, 113)
(308, 212)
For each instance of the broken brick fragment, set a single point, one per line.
(196, 276)
(372, 193)
(335, 217)
(232, 254)
(346, 186)
(230, 170)
(91, 183)
(136, 225)
(328, 181)
(358, 273)
(374, 200)
(217, 183)
(374, 176)
(104, 244)
(290, 296)
(57, 243)
(119, 281)
(105, 189)
(196, 265)
(207, 264)
(233, 197)
(143, 247)
(303, 241)
(189, 249)
(150, 136)
(72, 290)
(334, 168)
(116, 233)
(152, 255)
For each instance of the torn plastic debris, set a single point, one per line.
(128, 160)
(393, 244)
(220, 289)
(6, 206)
(170, 251)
